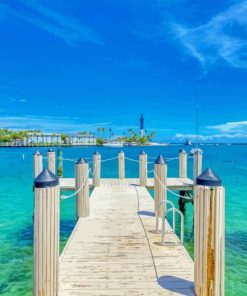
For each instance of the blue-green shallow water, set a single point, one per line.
(16, 208)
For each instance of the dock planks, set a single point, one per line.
(183, 184)
(115, 252)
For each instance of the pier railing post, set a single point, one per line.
(38, 163)
(121, 165)
(160, 181)
(209, 235)
(143, 168)
(197, 163)
(46, 234)
(182, 164)
(60, 163)
(51, 160)
(82, 189)
(96, 168)
(182, 174)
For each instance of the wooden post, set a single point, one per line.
(121, 165)
(143, 168)
(209, 232)
(82, 186)
(96, 168)
(197, 163)
(38, 163)
(182, 174)
(51, 160)
(182, 164)
(60, 163)
(160, 180)
(46, 234)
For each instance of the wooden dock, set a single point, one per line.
(180, 184)
(114, 251)
(117, 247)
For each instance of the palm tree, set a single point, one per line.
(103, 131)
(110, 131)
(98, 131)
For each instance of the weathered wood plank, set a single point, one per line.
(115, 252)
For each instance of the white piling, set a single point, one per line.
(37, 163)
(96, 168)
(209, 235)
(82, 188)
(51, 160)
(143, 168)
(46, 234)
(197, 163)
(182, 164)
(160, 183)
(121, 165)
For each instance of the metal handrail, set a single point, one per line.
(174, 211)
(157, 209)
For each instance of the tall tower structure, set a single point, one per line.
(142, 132)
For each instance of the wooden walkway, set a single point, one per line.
(183, 184)
(115, 252)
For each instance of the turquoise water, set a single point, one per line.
(16, 208)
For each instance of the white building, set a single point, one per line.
(58, 139)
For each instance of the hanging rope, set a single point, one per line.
(77, 191)
(165, 187)
(169, 159)
(68, 159)
(131, 159)
(178, 195)
(109, 159)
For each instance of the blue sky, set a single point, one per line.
(78, 65)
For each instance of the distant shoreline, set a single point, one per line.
(138, 145)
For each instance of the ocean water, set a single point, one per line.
(16, 207)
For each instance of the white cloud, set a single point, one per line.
(49, 123)
(14, 100)
(66, 27)
(203, 138)
(230, 127)
(22, 101)
(223, 38)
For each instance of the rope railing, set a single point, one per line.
(69, 159)
(109, 159)
(131, 159)
(77, 191)
(165, 187)
(178, 195)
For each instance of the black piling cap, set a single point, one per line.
(182, 151)
(160, 160)
(142, 153)
(198, 151)
(96, 153)
(50, 150)
(46, 179)
(37, 153)
(208, 178)
(81, 161)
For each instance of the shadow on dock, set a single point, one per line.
(146, 213)
(177, 285)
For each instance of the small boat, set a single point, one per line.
(188, 143)
(113, 144)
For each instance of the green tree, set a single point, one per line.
(63, 138)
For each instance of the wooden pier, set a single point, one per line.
(115, 251)
(122, 243)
